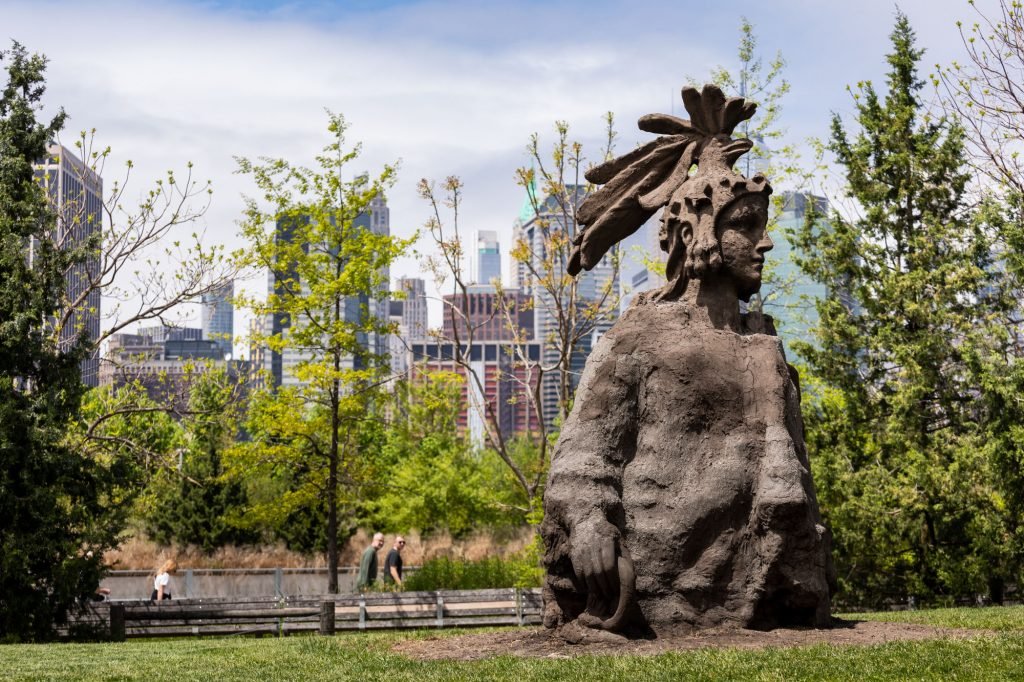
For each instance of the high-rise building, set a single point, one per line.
(163, 333)
(488, 253)
(162, 363)
(498, 384)
(490, 317)
(598, 286)
(281, 365)
(218, 317)
(414, 307)
(260, 361)
(409, 316)
(378, 221)
(505, 388)
(398, 344)
(789, 296)
(641, 262)
(75, 192)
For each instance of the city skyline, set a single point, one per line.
(478, 81)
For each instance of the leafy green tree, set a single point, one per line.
(983, 91)
(434, 480)
(898, 439)
(53, 499)
(133, 435)
(570, 311)
(308, 234)
(191, 503)
(774, 154)
(765, 86)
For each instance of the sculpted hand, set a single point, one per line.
(594, 555)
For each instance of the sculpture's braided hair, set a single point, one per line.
(657, 175)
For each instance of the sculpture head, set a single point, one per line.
(742, 234)
(705, 213)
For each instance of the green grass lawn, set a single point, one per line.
(1003, 619)
(366, 656)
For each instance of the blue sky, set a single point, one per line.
(447, 87)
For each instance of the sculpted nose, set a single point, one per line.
(766, 244)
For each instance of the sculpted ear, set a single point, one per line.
(686, 232)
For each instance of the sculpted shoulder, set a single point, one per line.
(648, 324)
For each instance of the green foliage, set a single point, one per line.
(444, 573)
(309, 230)
(55, 502)
(132, 435)
(189, 502)
(902, 448)
(283, 469)
(432, 477)
(773, 154)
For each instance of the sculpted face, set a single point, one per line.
(742, 233)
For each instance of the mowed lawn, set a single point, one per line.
(366, 656)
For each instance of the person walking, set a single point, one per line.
(162, 581)
(393, 564)
(368, 564)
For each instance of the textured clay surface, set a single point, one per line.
(684, 452)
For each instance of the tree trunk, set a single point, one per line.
(332, 498)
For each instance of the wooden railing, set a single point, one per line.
(323, 614)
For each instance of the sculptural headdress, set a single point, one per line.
(657, 175)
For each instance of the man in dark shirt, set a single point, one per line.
(368, 563)
(393, 563)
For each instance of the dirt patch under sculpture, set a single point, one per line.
(543, 643)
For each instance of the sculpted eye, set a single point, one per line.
(744, 223)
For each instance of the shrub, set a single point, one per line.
(443, 573)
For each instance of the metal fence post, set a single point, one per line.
(117, 629)
(362, 613)
(440, 611)
(278, 577)
(327, 617)
(190, 588)
(519, 606)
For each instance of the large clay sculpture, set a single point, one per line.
(680, 493)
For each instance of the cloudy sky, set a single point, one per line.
(445, 87)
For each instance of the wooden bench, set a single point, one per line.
(325, 614)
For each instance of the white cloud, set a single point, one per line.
(448, 87)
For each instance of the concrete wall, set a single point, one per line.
(232, 582)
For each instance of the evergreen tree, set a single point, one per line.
(53, 499)
(193, 504)
(896, 433)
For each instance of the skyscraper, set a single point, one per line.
(642, 262)
(410, 317)
(218, 315)
(488, 252)
(75, 192)
(598, 286)
(280, 365)
(789, 294)
(414, 307)
(378, 221)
